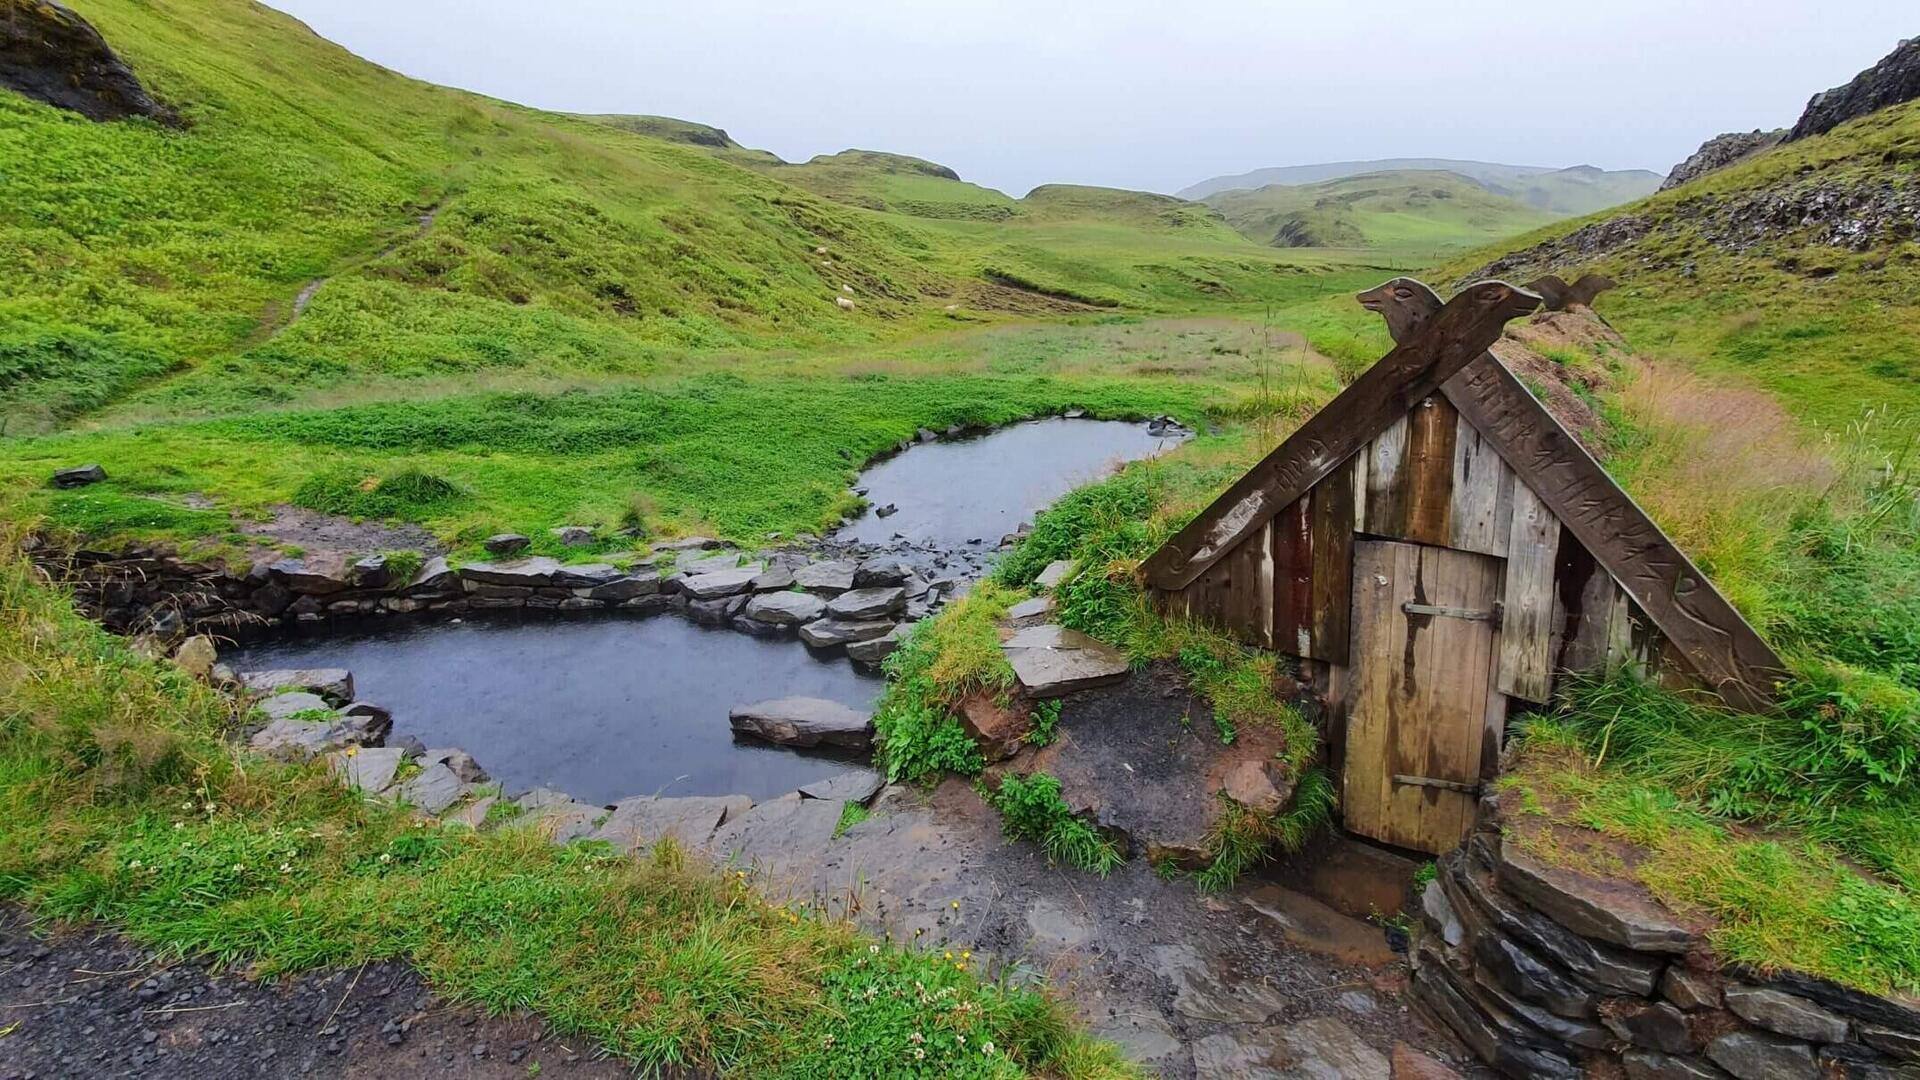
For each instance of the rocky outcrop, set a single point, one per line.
(1544, 971)
(1892, 81)
(51, 54)
(1720, 152)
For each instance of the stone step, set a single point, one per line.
(1051, 660)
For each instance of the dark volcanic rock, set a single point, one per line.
(505, 543)
(1785, 1013)
(79, 476)
(1525, 975)
(1895, 79)
(1751, 1055)
(1611, 911)
(51, 54)
(1720, 152)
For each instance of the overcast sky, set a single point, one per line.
(1130, 93)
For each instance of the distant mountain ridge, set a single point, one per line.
(1411, 213)
(1569, 192)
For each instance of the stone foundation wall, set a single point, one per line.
(1549, 973)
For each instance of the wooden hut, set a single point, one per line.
(1435, 547)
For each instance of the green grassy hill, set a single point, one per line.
(1797, 269)
(1581, 189)
(159, 270)
(1404, 213)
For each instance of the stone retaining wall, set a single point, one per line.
(1546, 972)
(828, 602)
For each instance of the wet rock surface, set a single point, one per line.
(1051, 660)
(804, 721)
(83, 1003)
(1892, 81)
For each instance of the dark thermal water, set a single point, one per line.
(951, 491)
(599, 707)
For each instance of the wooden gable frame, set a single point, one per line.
(1272, 555)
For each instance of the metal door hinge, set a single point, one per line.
(1428, 781)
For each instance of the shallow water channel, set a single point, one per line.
(600, 707)
(952, 491)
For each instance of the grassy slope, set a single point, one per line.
(1831, 331)
(560, 243)
(1398, 213)
(152, 275)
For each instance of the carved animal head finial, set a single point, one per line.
(1511, 301)
(1553, 290)
(1406, 303)
(1589, 286)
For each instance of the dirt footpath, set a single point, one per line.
(89, 1004)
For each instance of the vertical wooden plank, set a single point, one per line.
(1250, 615)
(1358, 465)
(1338, 686)
(1363, 779)
(1432, 427)
(1332, 578)
(1526, 639)
(1587, 595)
(1481, 483)
(1292, 547)
(1386, 511)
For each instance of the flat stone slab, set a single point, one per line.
(854, 785)
(835, 576)
(333, 684)
(719, 583)
(1321, 1048)
(804, 721)
(827, 633)
(711, 564)
(369, 769)
(1055, 573)
(1204, 989)
(630, 587)
(526, 573)
(641, 821)
(863, 604)
(871, 652)
(1616, 912)
(1314, 926)
(293, 702)
(1030, 612)
(784, 608)
(436, 788)
(1051, 660)
(780, 836)
(882, 570)
(586, 575)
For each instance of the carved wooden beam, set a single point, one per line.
(1453, 337)
(1722, 648)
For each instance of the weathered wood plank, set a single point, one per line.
(1377, 625)
(1482, 489)
(1292, 541)
(1461, 330)
(1386, 454)
(1418, 705)
(1331, 594)
(1428, 483)
(1586, 603)
(1526, 634)
(1726, 653)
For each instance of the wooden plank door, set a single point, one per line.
(1424, 626)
